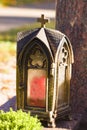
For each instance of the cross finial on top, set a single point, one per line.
(42, 20)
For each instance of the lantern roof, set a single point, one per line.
(50, 37)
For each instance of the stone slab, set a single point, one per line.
(67, 125)
(83, 123)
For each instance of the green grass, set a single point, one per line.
(12, 34)
(30, 1)
(21, 2)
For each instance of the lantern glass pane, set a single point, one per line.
(36, 90)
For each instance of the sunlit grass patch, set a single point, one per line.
(20, 2)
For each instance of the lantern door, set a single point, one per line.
(36, 85)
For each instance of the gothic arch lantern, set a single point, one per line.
(44, 64)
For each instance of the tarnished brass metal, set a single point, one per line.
(44, 64)
(43, 20)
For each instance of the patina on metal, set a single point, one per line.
(44, 64)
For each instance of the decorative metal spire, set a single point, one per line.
(43, 20)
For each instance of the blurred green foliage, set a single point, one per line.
(12, 34)
(20, 2)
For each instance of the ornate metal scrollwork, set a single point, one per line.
(37, 58)
(64, 55)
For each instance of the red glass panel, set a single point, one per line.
(37, 91)
(37, 88)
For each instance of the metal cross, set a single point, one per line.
(42, 20)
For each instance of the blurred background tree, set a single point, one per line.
(71, 19)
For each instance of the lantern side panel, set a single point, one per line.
(63, 77)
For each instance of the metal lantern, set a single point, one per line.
(44, 63)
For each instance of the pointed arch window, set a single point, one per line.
(36, 77)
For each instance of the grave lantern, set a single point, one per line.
(44, 63)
